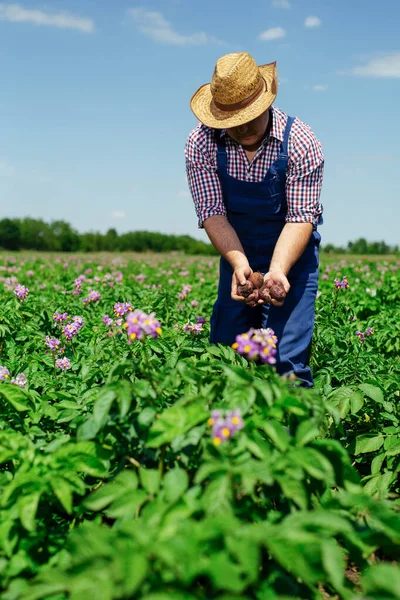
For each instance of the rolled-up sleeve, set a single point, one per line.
(304, 176)
(202, 177)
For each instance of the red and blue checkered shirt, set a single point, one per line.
(303, 179)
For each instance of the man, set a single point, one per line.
(255, 176)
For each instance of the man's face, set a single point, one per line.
(251, 133)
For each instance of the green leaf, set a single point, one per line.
(124, 398)
(356, 402)
(63, 491)
(44, 590)
(277, 434)
(382, 582)
(176, 483)
(314, 463)
(127, 505)
(372, 391)
(136, 568)
(218, 496)
(297, 552)
(27, 508)
(169, 596)
(150, 480)
(146, 417)
(293, 490)
(394, 448)
(176, 421)
(367, 442)
(377, 462)
(106, 494)
(379, 485)
(103, 405)
(340, 398)
(333, 562)
(15, 396)
(306, 432)
(225, 574)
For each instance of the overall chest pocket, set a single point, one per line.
(260, 206)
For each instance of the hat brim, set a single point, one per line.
(209, 114)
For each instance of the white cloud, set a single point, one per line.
(382, 66)
(18, 14)
(281, 3)
(319, 87)
(274, 33)
(154, 25)
(312, 22)
(118, 214)
(183, 194)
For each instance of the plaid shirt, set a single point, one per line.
(303, 178)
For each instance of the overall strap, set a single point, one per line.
(284, 146)
(222, 158)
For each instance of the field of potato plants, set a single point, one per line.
(137, 461)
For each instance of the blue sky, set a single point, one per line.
(95, 94)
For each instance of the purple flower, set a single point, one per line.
(60, 317)
(195, 328)
(138, 324)
(63, 363)
(52, 343)
(107, 321)
(4, 373)
(185, 291)
(21, 291)
(71, 329)
(121, 308)
(224, 427)
(78, 321)
(93, 296)
(369, 331)
(360, 336)
(20, 380)
(257, 344)
(201, 320)
(341, 285)
(194, 303)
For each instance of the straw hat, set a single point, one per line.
(239, 91)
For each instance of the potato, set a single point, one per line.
(253, 298)
(275, 290)
(246, 289)
(257, 279)
(264, 294)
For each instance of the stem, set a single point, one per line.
(356, 358)
(162, 459)
(148, 366)
(133, 461)
(336, 299)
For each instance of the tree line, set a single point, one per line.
(362, 246)
(59, 236)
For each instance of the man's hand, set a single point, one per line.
(240, 275)
(278, 287)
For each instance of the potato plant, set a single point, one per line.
(137, 461)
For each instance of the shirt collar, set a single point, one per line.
(277, 129)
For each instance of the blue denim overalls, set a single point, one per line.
(257, 212)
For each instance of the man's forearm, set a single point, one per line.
(290, 246)
(225, 240)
